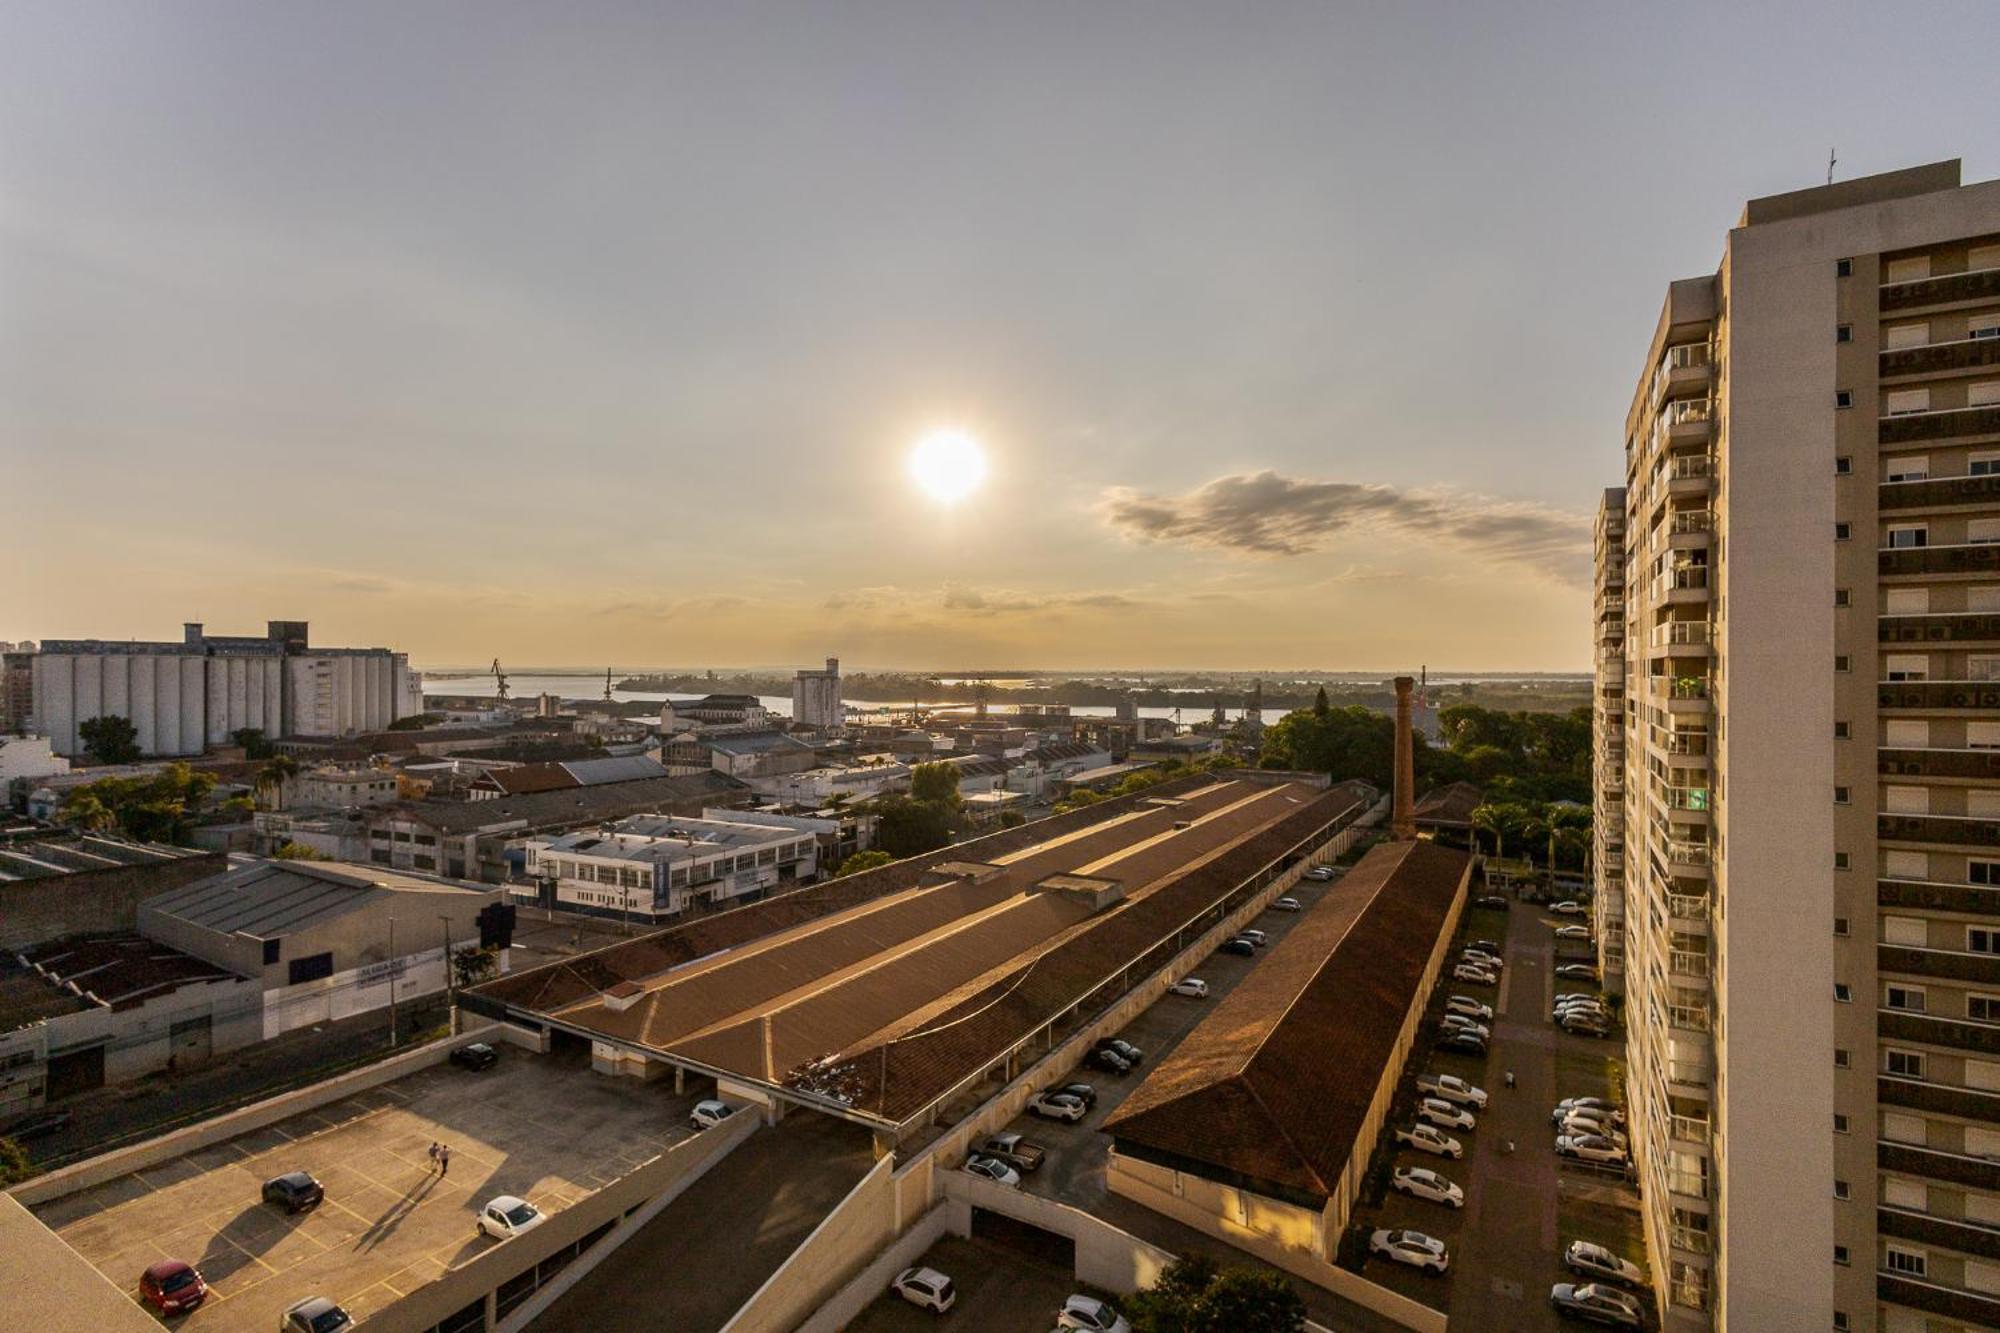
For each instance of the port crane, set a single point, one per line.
(499, 679)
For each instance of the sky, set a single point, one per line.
(599, 334)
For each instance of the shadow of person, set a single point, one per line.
(392, 1217)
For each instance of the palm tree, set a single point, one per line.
(83, 809)
(277, 773)
(1570, 838)
(1558, 821)
(1500, 818)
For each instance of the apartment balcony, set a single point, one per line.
(1944, 289)
(1943, 423)
(1933, 358)
(1690, 476)
(1950, 1167)
(1688, 858)
(1691, 1130)
(1967, 558)
(1944, 1232)
(1939, 763)
(1684, 370)
(1941, 492)
(1966, 1103)
(1939, 695)
(1951, 1302)
(1687, 963)
(1688, 637)
(1949, 830)
(1688, 911)
(1689, 529)
(1972, 898)
(1957, 1033)
(1942, 964)
(1687, 421)
(1966, 627)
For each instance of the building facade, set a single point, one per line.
(651, 867)
(183, 697)
(816, 697)
(1811, 859)
(1607, 741)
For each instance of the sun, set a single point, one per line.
(949, 465)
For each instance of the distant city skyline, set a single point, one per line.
(604, 335)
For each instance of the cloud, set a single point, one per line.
(1270, 515)
(960, 598)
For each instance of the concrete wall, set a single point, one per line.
(1105, 1256)
(846, 1305)
(50, 1287)
(827, 1259)
(33, 910)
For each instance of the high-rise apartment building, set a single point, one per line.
(1811, 788)
(1607, 740)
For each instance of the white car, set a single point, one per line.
(1320, 873)
(1568, 908)
(926, 1288)
(315, 1314)
(1430, 1139)
(1057, 1106)
(1478, 976)
(993, 1169)
(1491, 962)
(1256, 937)
(1590, 1260)
(1453, 1089)
(1596, 1104)
(1411, 1247)
(505, 1217)
(1460, 1023)
(1590, 1148)
(709, 1113)
(1446, 1115)
(1288, 905)
(1425, 1183)
(1597, 1303)
(1091, 1315)
(1581, 1009)
(1469, 1008)
(1582, 1122)
(1572, 932)
(1194, 986)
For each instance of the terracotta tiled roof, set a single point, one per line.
(1451, 805)
(1275, 1084)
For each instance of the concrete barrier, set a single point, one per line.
(1105, 1256)
(178, 1143)
(846, 1305)
(859, 1225)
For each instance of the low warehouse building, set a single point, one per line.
(1258, 1128)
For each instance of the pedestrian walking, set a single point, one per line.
(444, 1160)
(1510, 1078)
(434, 1158)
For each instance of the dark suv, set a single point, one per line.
(476, 1056)
(294, 1192)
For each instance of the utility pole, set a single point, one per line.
(450, 988)
(392, 983)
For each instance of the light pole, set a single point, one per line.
(392, 983)
(450, 973)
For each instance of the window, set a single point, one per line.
(1840, 860)
(1902, 402)
(1982, 531)
(1842, 1060)
(1841, 795)
(1983, 872)
(1840, 1319)
(1899, 799)
(1909, 931)
(1982, 463)
(1904, 1128)
(1907, 270)
(1842, 531)
(312, 968)
(1982, 939)
(1984, 1008)
(1840, 1190)
(1906, 734)
(1983, 597)
(1981, 1074)
(1841, 662)
(1841, 597)
(1903, 537)
(1840, 1255)
(1986, 393)
(271, 948)
(1898, 336)
(1840, 731)
(1843, 993)
(1983, 326)
(1840, 927)
(1903, 1064)
(1910, 1263)
(1909, 467)
(1906, 601)
(1839, 1123)
(1843, 333)
(1905, 1194)
(1982, 257)
(1909, 999)
(1842, 466)
(1843, 268)
(1843, 398)
(1907, 666)
(1982, 666)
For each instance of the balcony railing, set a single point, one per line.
(1690, 469)
(1939, 694)
(1940, 424)
(1975, 285)
(1939, 763)
(1953, 1168)
(1687, 356)
(1688, 853)
(1963, 1306)
(1941, 490)
(1952, 830)
(1681, 634)
(1962, 354)
(1966, 627)
(1688, 1129)
(1967, 558)
(1688, 798)
(1944, 964)
(1682, 963)
(1688, 907)
(1900, 1025)
(1941, 1098)
(1694, 520)
(1974, 898)
(1685, 687)
(1688, 411)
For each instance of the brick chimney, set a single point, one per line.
(1402, 824)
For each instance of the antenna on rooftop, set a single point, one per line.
(1830, 160)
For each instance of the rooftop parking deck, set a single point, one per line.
(532, 1126)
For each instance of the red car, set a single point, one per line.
(172, 1287)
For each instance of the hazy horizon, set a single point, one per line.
(601, 334)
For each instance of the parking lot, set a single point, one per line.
(1002, 1289)
(548, 1131)
(1522, 1206)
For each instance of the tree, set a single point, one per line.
(1076, 800)
(471, 965)
(1012, 819)
(160, 808)
(254, 744)
(239, 807)
(276, 776)
(905, 827)
(937, 784)
(14, 1164)
(85, 809)
(1320, 705)
(861, 861)
(1501, 819)
(298, 851)
(1195, 1295)
(110, 739)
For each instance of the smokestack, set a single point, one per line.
(1403, 825)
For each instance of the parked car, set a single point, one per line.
(1091, 1316)
(1022, 1154)
(1110, 1061)
(1597, 1303)
(1572, 932)
(1256, 937)
(1584, 1025)
(506, 1216)
(1484, 946)
(1132, 1054)
(1471, 1008)
(1430, 1139)
(1590, 1148)
(1584, 1006)
(294, 1192)
(1460, 1043)
(1477, 976)
(1568, 1104)
(1411, 1247)
(1460, 1023)
(1491, 961)
(1288, 905)
(1453, 1089)
(38, 1125)
(1083, 1092)
(475, 1056)
(1446, 1115)
(1592, 1260)
(1424, 1183)
(1320, 873)
(1494, 900)
(315, 1314)
(993, 1169)
(1568, 907)
(1583, 1122)
(1194, 986)
(707, 1114)
(1057, 1106)
(172, 1287)
(1571, 997)
(1577, 972)
(1239, 945)
(926, 1288)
